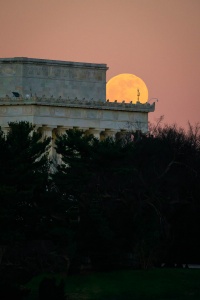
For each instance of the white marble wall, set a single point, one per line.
(50, 77)
(75, 117)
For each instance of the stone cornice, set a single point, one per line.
(76, 103)
(59, 63)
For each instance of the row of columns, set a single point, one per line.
(53, 131)
(99, 134)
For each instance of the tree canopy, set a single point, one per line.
(106, 200)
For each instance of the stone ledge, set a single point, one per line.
(27, 60)
(87, 104)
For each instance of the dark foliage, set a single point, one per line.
(23, 177)
(24, 172)
(131, 202)
(11, 291)
(137, 196)
(50, 290)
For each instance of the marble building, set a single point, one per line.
(58, 95)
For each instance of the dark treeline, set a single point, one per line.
(132, 202)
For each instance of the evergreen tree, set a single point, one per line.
(24, 175)
(97, 178)
(133, 195)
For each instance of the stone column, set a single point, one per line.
(60, 130)
(5, 130)
(47, 131)
(57, 158)
(108, 133)
(121, 134)
(95, 132)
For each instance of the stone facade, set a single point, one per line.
(65, 95)
(69, 80)
(85, 115)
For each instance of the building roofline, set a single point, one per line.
(39, 61)
(75, 103)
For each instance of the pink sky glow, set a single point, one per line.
(157, 40)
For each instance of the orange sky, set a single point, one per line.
(157, 40)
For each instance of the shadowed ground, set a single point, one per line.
(161, 284)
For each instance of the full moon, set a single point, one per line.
(126, 87)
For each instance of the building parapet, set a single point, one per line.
(77, 103)
(39, 61)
